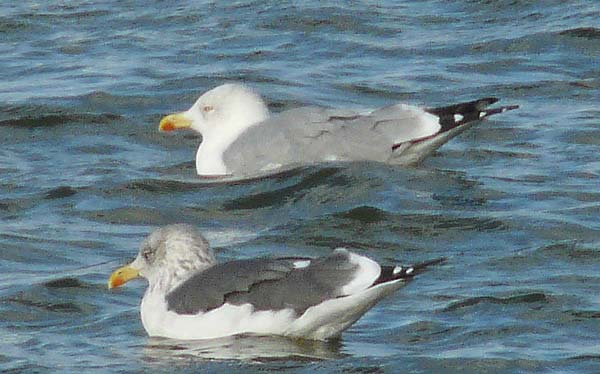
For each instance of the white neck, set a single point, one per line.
(162, 283)
(209, 158)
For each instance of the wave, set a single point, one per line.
(532, 297)
(31, 116)
(582, 32)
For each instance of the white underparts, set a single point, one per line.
(332, 316)
(320, 321)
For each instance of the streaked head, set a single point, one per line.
(169, 255)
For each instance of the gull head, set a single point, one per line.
(168, 256)
(227, 109)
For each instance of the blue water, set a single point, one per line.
(514, 203)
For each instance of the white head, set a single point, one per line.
(168, 256)
(220, 115)
(229, 108)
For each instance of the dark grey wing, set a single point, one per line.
(324, 278)
(267, 284)
(209, 289)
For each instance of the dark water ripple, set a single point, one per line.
(513, 203)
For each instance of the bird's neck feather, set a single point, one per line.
(166, 280)
(209, 158)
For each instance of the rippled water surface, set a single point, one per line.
(514, 203)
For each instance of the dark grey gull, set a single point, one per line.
(191, 296)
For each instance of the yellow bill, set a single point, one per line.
(122, 275)
(174, 122)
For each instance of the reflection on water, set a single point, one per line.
(243, 347)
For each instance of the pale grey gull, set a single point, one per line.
(240, 138)
(191, 296)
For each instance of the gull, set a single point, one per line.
(240, 138)
(191, 296)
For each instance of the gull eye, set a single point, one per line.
(207, 108)
(148, 254)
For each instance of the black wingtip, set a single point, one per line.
(422, 266)
(502, 109)
(464, 108)
(485, 102)
(459, 114)
(392, 273)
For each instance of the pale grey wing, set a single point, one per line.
(306, 135)
(267, 284)
(371, 136)
(209, 289)
(403, 123)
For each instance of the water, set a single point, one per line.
(513, 203)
